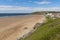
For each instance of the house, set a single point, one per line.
(50, 14)
(53, 14)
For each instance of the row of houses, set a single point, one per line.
(53, 14)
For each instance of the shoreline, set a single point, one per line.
(19, 26)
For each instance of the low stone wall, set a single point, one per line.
(29, 33)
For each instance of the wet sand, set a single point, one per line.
(12, 28)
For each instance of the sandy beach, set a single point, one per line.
(12, 28)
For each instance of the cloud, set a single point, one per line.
(5, 8)
(44, 2)
(47, 9)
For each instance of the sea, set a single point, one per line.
(13, 14)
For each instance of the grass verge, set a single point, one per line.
(47, 31)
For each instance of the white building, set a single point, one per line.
(53, 15)
(50, 14)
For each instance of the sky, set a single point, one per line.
(28, 6)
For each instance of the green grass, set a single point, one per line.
(47, 31)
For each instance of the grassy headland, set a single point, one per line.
(47, 31)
